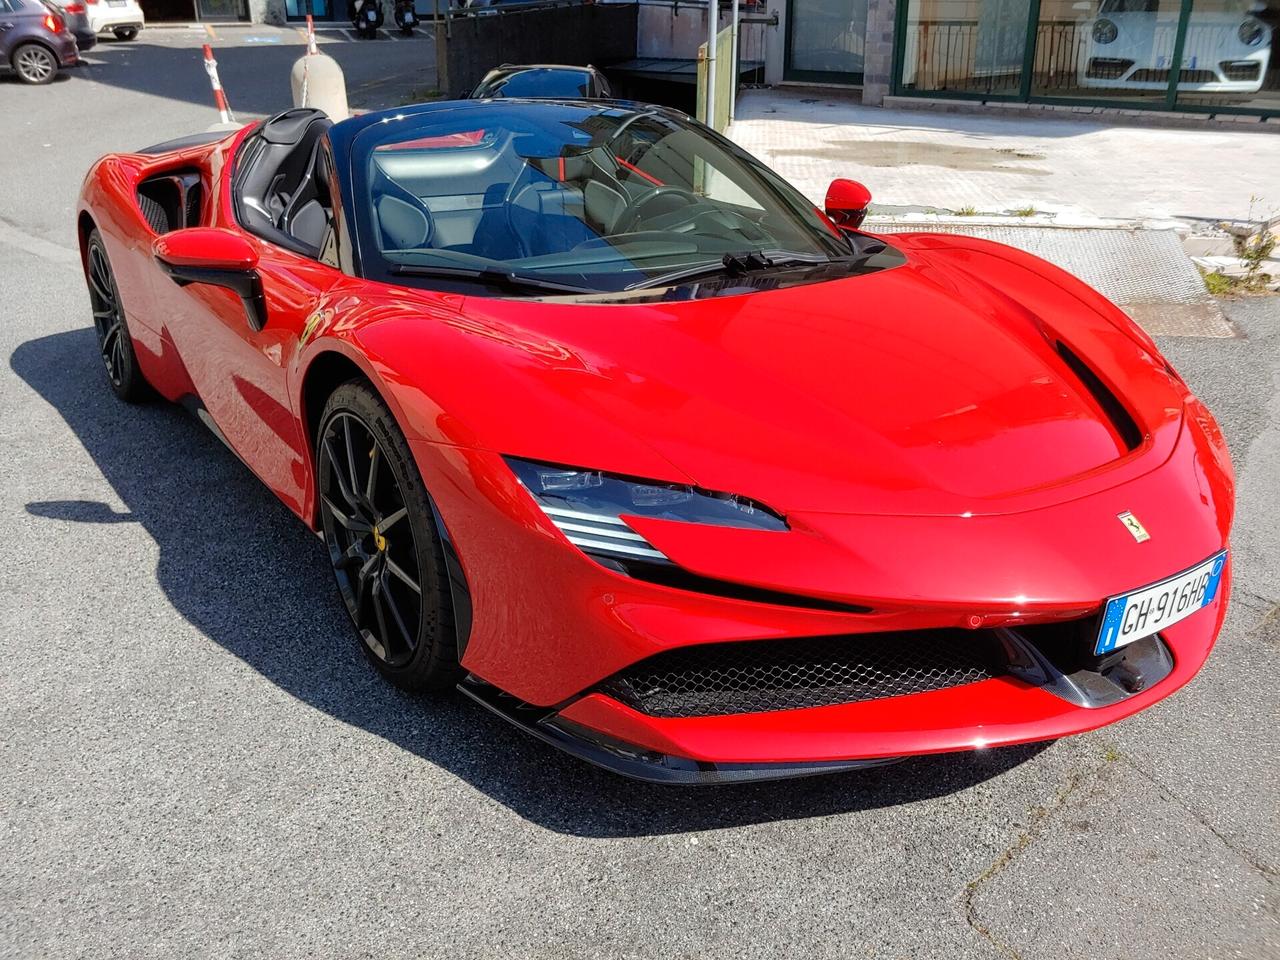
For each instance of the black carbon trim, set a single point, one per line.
(635, 762)
(186, 143)
(670, 575)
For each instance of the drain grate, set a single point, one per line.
(1145, 272)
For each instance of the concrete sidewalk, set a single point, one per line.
(1080, 172)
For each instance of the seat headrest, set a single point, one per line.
(404, 225)
(290, 126)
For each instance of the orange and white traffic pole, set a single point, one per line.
(219, 95)
(312, 49)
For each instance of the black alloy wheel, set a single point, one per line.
(114, 342)
(380, 531)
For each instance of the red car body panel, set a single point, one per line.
(936, 458)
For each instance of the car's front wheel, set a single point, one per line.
(34, 63)
(126, 33)
(382, 539)
(114, 342)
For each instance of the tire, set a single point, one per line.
(126, 33)
(379, 528)
(114, 341)
(34, 63)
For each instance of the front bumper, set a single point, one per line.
(1003, 711)
(548, 626)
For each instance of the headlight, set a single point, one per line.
(1252, 32)
(587, 506)
(1104, 31)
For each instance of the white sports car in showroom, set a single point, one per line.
(1130, 45)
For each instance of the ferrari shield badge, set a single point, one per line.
(1134, 526)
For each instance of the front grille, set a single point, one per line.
(1241, 69)
(764, 675)
(1184, 76)
(1107, 68)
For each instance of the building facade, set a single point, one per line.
(1188, 56)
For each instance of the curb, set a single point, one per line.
(1041, 222)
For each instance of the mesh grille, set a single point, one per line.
(765, 675)
(154, 213)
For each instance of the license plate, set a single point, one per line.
(1141, 613)
(116, 3)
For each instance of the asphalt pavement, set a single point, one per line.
(196, 761)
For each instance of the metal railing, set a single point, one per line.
(970, 57)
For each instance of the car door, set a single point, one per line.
(240, 361)
(7, 25)
(242, 374)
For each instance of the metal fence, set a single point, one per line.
(987, 58)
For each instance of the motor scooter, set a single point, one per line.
(406, 17)
(366, 16)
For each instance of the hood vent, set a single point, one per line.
(1125, 426)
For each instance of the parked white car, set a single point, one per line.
(121, 17)
(1130, 44)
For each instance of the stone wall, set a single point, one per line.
(878, 70)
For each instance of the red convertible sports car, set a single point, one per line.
(605, 424)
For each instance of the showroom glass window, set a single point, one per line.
(974, 47)
(1229, 56)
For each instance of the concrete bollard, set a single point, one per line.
(317, 81)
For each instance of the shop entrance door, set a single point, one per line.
(825, 40)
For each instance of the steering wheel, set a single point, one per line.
(634, 214)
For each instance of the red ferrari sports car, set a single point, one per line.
(603, 423)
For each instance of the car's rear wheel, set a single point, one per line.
(126, 33)
(382, 539)
(34, 63)
(114, 342)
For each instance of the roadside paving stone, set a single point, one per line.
(1078, 169)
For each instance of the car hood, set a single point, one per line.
(968, 380)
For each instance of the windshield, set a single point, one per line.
(589, 197)
(538, 82)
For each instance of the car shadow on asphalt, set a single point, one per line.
(242, 569)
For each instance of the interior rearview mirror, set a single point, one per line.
(216, 257)
(847, 202)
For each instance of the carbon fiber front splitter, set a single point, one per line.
(636, 762)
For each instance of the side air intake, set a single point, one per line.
(171, 201)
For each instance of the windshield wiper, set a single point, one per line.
(489, 275)
(733, 265)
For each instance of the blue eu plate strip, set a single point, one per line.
(1113, 618)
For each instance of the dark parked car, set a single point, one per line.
(543, 81)
(34, 40)
(76, 13)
